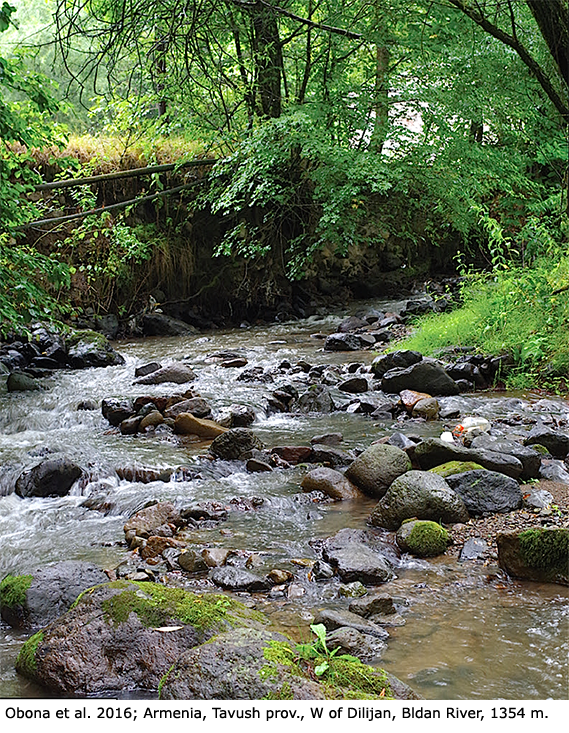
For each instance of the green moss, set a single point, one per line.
(423, 538)
(279, 653)
(546, 549)
(156, 605)
(88, 337)
(13, 590)
(350, 679)
(26, 662)
(453, 467)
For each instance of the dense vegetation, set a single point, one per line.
(381, 129)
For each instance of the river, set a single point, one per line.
(464, 637)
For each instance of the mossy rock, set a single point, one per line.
(422, 538)
(539, 554)
(450, 468)
(127, 635)
(248, 664)
(13, 592)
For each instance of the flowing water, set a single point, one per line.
(464, 638)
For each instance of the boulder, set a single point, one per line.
(421, 495)
(342, 342)
(433, 452)
(196, 406)
(20, 382)
(427, 408)
(178, 373)
(356, 561)
(115, 410)
(536, 554)
(187, 424)
(424, 376)
(422, 538)
(486, 491)
(373, 604)
(346, 640)
(528, 457)
(235, 444)
(249, 664)
(124, 636)
(332, 483)
(354, 385)
(377, 467)
(159, 324)
(50, 477)
(36, 599)
(316, 399)
(556, 442)
(453, 467)
(336, 619)
(91, 349)
(237, 579)
(394, 360)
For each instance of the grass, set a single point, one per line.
(523, 312)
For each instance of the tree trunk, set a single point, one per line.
(268, 60)
(552, 18)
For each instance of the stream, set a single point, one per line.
(464, 637)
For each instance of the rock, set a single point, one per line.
(336, 619)
(333, 439)
(357, 561)
(91, 349)
(293, 454)
(394, 360)
(235, 444)
(427, 408)
(321, 571)
(332, 483)
(537, 499)
(186, 424)
(422, 538)
(473, 548)
(178, 373)
(146, 369)
(237, 579)
(145, 522)
(237, 416)
(486, 491)
(238, 666)
(155, 545)
(354, 385)
(556, 442)
(50, 477)
(279, 576)
(554, 471)
(409, 398)
(193, 561)
(20, 382)
(153, 419)
(373, 604)
(424, 376)
(330, 456)
(342, 342)
(115, 411)
(529, 458)
(36, 599)
(215, 557)
(351, 323)
(536, 554)
(421, 495)
(159, 324)
(131, 425)
(367, 648)
(256, 465)
(317, 399)
(433, 452)
(124, 636)
(377, 467)
(196, 406)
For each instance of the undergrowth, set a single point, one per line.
(521, 311)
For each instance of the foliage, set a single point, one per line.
(523, 311)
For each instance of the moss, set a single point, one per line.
(279, 653)
(453, 467)
(546, 549)
(13, 590)
(163, 680)
(26, 662)
(85, 336)
(156, 605)
(423, 538)
(350, 679)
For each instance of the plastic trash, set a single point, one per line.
(447, 437)
(469, 425)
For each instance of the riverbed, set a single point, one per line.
(469, 632)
